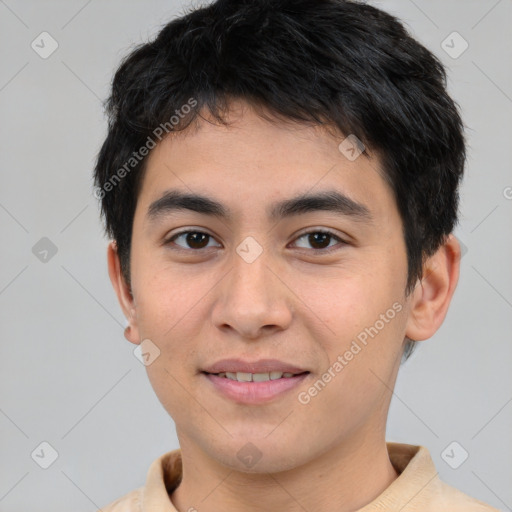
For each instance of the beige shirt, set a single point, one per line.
(417, 488)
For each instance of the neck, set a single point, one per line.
(345, 479)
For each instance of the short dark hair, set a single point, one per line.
(338, 63)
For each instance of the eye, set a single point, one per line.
(194, 239)
(320, 239)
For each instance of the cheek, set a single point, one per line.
(344, 301)
(365, 313)
(164, 293)
(170, 314)
(362, 364)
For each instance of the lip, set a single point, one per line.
(260, 366)
(254, 392)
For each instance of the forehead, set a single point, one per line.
(256, 164)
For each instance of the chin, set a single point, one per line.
(259, 456)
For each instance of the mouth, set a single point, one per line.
(254, 388)
(256, 377)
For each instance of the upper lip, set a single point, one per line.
(260, 366)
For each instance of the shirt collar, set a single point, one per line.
(417, 474)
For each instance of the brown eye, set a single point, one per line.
(320, 240)
(192, 239)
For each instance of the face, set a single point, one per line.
(318, 287)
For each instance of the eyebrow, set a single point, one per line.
(329, 200)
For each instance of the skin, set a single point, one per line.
(203, 305)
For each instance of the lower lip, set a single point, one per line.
(254, 392)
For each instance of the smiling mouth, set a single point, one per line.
(256, 377)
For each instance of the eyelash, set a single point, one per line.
(316, 231)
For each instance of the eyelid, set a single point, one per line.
(325, 231)
(307, 231)
(168, 239)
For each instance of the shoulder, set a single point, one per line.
(131, 502)
(450, 498)
(419, 487)
(163, 475)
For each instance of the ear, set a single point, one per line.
(124, 296)
(433, 293)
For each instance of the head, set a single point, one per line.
(253, 105)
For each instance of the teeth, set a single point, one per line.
(255, 377)
(260, 377)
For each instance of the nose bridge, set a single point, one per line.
(251, 277)
(252, 297)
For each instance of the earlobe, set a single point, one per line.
(124, 295)
(433, 293)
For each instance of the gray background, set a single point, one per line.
(68, 376)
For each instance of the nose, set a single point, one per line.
(253, 299)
